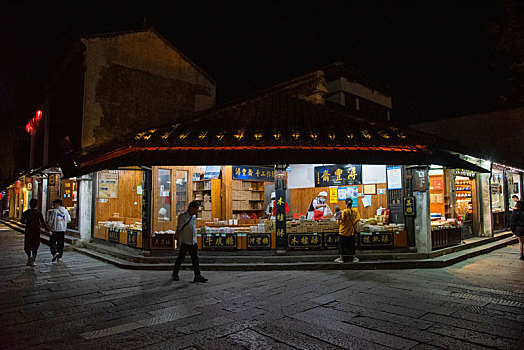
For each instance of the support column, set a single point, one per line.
(484, 190)
(85, 207)
(280, 207)
(147, 186)
(44, 196)
(423, 217)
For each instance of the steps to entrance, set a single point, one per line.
(128, 258)
(307, 262)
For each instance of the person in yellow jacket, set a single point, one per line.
(346, 233)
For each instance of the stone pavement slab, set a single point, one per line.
(84, 303)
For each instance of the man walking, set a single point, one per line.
(57, 219)
(33, 220)
(187, 241)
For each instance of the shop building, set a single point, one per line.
(232, 158)
(492, 136)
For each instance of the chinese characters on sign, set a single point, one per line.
(132, 238)
(376, 239)
(221, 241)
(304, 240)
(464, 172)
(113, 235)
(331, 239)
(162, 241)
(253, 173)
(258, 240)
(409, 206)
(338, 175)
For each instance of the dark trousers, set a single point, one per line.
(29, 251)
(346, 247)
(57, 243)
(193, 252)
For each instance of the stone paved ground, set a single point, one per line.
(82, 303)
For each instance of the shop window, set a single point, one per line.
(181, 191)
(164, 188)
(497, 191)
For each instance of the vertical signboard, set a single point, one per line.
(280, 207)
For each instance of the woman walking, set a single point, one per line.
(517, 225)
(32, 219)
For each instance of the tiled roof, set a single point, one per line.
(275, 128)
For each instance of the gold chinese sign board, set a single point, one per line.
(162, 241)
(113, 235)
(219, 241)
(338, 175)
(409, 206)
(258, 241)
(304, 240)
(331, 240)
(253, 173)
(376, 239)
(132, 236)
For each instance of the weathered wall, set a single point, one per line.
(135, 81)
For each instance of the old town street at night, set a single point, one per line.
(80, 302)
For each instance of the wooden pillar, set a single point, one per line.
(227, 192)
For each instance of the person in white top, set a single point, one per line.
(318, 209)
(187, 241)
(57, 219)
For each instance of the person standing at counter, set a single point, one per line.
(346, 233)
(318, 209)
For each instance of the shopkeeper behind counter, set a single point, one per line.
(270, 210)
(318, 209)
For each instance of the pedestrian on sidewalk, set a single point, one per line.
(348, 227)
(33, 220)
(187, 241)
(517, 225)
(57, 219)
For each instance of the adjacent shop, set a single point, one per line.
(118, 213)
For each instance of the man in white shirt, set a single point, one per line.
(187, 241)
(57, 219)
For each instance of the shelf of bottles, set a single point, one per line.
(463, 193)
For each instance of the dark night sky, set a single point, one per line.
(435, 55)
